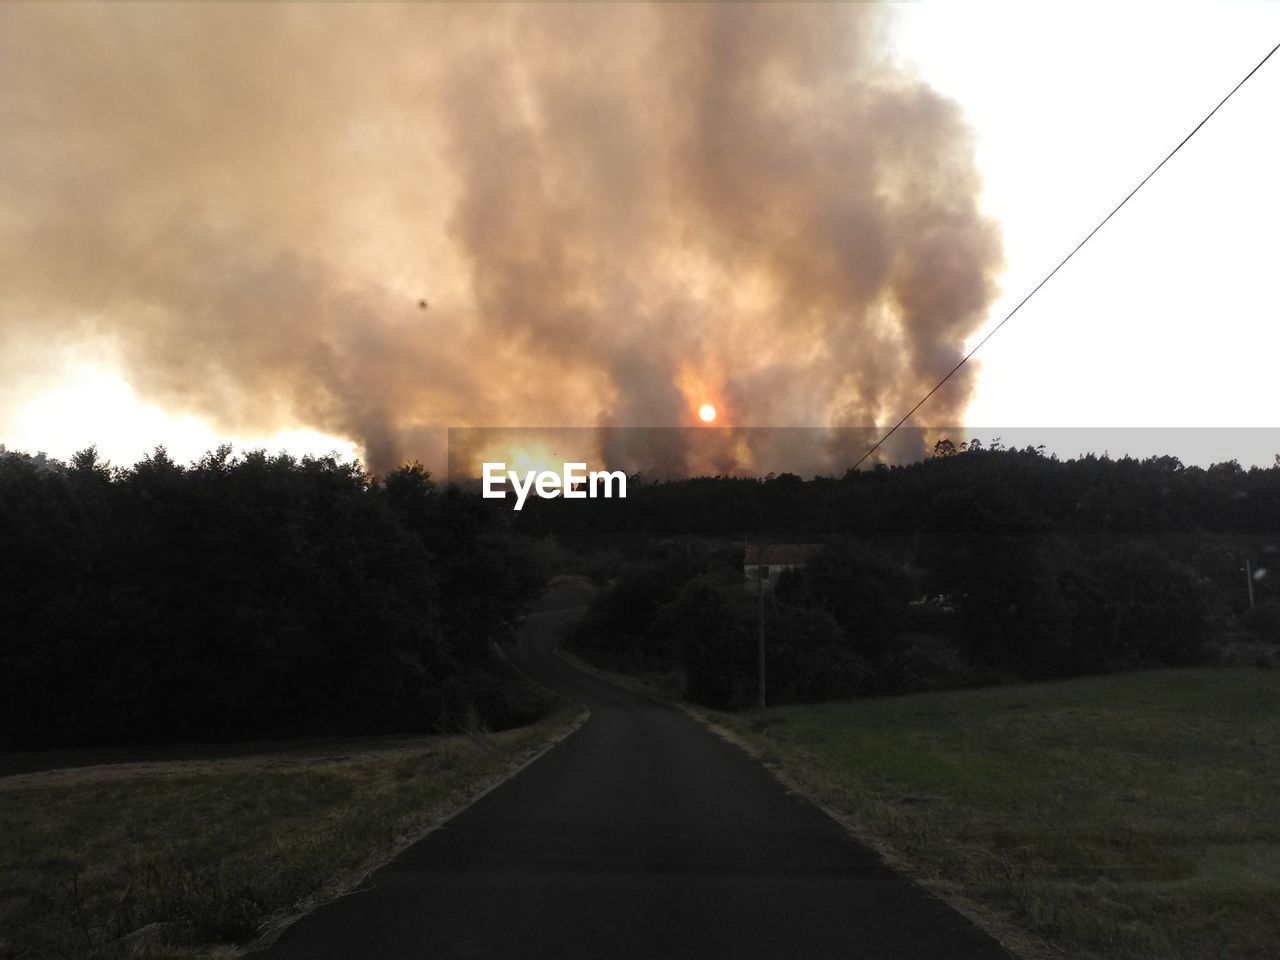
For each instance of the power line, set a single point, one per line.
(978, 346)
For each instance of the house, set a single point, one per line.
(763, 570)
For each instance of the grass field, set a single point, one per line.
(187, 858)
(1127, 816)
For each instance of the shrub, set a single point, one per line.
(1263, 621)
(247, 597)
(1153, 610)
(810, 658)
(865, 593)
(716, 631)
(712, 628)
(621, 620)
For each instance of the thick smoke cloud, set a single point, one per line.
(615, 213)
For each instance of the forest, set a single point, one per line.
(251, 596)
(972, 567)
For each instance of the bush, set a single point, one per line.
(921, 664)
(602, 566)
(865, 593)
(245, 598)
(1263, 621)
(810, 658)
(621, 620)
(712, 628)
(1152, 609)
(715, 627)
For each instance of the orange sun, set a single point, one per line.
(706, 413)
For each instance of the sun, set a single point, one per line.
(706, 413)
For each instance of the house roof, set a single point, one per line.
(780, 553)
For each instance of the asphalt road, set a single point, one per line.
(642, 835)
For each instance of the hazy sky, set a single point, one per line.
(1168, 318)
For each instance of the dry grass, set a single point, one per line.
(1128, 816)
(187, 858)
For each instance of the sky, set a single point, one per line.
(1168, 318)
(1035, 121)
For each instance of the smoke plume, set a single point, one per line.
(377, 221)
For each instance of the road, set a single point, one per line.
(642, 835)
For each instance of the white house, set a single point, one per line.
(758, 569)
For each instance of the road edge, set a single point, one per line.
(275, 927)
(1017, 942)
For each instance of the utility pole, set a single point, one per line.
(1248, 576)
(760, 618)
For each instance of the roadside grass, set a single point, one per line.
(1129, 816)
(183, 859)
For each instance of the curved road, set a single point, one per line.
(642, 835)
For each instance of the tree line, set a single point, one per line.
(975, 566)
(269, 596)
(1090, 494)
(252, 596)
